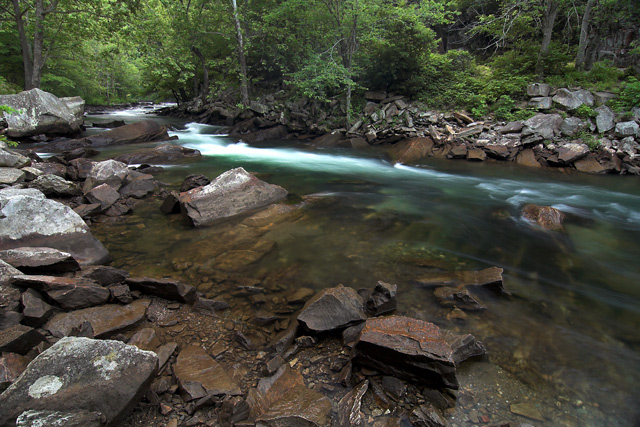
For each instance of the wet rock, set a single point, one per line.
(283, 399)
(489, 278)
(194, 181)
(144, 131)
(121, 294)
(11, 176)
(349, 407)
(300, 296)
(35, 310)
(332, 139)
(69, 293)
(111, 124)
(140, 187)
(476, 154)
(589, 164)
(109, 172)
(527, 410)
(19, 339)
(233, 193)
(233, 410)
(163, 288)
(333, 308)
(569, 153)
(544, 125)
(605, 120)
(544, 216)
(82, 374)
(456, 297)
(105, 275)
(28, 218)
(170, 203)
(411, 150)
(55, 186)
(199, 375)
(40, 112)
(527, 157)
(162, 154)
(60, 419)
(415, 350)
(104, 195)
(382, 299)
(281, 343)
(40, 260)
(11, 159)
(11, 366)
(427, 416)
(104, 320)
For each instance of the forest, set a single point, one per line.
(473, 54)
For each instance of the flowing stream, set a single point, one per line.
(566, 342)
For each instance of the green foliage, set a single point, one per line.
(603, 76)
(586, 112)
(4, 109)
(629, 96)
(589, 139)
(320, 79)
(503, 108)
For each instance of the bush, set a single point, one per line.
(586, 112)
(629, 96)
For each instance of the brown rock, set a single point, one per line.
(456, 297)
(104, 195)
(476, 154)
(195, 368)
(163, 288)
(590, 165)
(145, 339)
(11, 366)
(35, 310)
(349, 413)
(144, 131)
(40, 259)
(527, 157)
(19, 339)
(411, 150)
(544, 216)
(69, 293)
(333, 308)
(489, 278)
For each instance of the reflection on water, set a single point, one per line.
(567, 339)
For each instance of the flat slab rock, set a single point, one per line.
(163, 288)
(70, 293)
(489, 278)
(104, 320)
(40, 259)
(415, 350)
(200, 375)
(81, 374)
(233, 193)
(333, 308)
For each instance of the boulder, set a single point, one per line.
(411, 150)
(332, 139)
(382, 300)
(624, 129)
(476, 155)
(544, 216)
(589, 164)
(82, 374)
(601, 98)
(70, 293)
(193, 181)
(331, 309)
(18, 339)
(40, 112)
(541, 103)
(144, 131)
(284, 400)
(538, 89)
(109, 125)
(233, 193)
(139, 187)
(414, 349)
(104, 320)
(569, 153)
(527, 157)
(573, 100)
(511, 127)
(28, 218)
(375, 96)
(272, 133)
(605, 120)
(40, 260)
(11, 159)
(36, 312)
(163, 288)
(109, 172)
(199, 375)
(544, 125)
(162, 154)
(103, 195)
(55, 186)
(11, 176)
(571, 126)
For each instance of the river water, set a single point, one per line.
(567, 340)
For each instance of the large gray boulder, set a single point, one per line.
(40, 112)
(544, 125)
(81, 374)
(109, 172)
(572, 100)
(28, 218)
(605, 121)
(233, 193)
(144, 131)
(11, 159)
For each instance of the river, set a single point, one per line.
(567, 340)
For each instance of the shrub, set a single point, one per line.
(586, 112)
(629, 96)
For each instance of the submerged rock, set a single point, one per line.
(415, 350)
(27, 218)
(233, 193)
(544, 216)
(81, 374)
(333, 308)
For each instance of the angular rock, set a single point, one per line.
(86, 211)
(69, 293)
(109, 125)
(544, 125)
(589, 164)
(331, 309)
(36, 312)
(103, 195)
(105, 275)
(55, 186)
(195, 369)
(569, 153)
(605, 120)
(601, 98)
(571, 125)
(541, 103)
(349, 407)
(139, 187)
(82, 374)
(19, 339)
(476, 154)
(27, 218)
(145, 339)
(31, 173)
(11, 366)
(332, 139)
(233, 193)
(545, 216)
(162, 154)
(572, 100)
(411, 150)
(382, 299)
(40, 112)
(194, 181)
(107, 172)
(60, 419)
(456, 297)
(170, 203)
(11, 176)
(144, 131)
(489, 278)
(7, 271)
(284, 400)
(538, 89)
(104, 320)
(11, 159)
(83, 166)
(497, 151)
(163, 288)
(624, 129)
(527, 157)
(415, 350)
(40, 260)
(511, 127)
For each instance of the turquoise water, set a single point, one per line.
(567, 339)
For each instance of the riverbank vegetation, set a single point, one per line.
(472, 54)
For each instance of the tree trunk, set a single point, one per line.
(351, 48)
(27, 55)
(204, 90)
(244, 85)
(550, 15)
(38, 44)
(582, 45)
